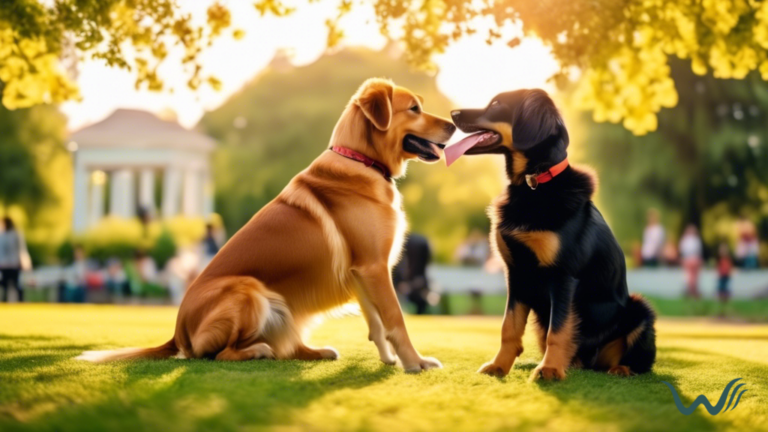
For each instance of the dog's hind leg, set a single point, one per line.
(304, 352)
(610, 355)
(257, 351)
(641, 341)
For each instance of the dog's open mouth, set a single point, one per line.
(426, 150)
(481, 139)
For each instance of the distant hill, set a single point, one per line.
(279, 122)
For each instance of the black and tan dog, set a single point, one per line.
(562, 261)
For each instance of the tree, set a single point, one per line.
(29, 138)
(707, 162)
(620, 49)
(38, 38)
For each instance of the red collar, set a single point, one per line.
(355, 155)
(534, 180)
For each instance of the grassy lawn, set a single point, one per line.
(42, 388)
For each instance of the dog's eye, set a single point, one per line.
(415, 109)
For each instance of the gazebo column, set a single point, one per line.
(192, 193)
(80, 204)
(96, 204)
(147, 190)
(207, 194)
(171, 190)
(121, 199)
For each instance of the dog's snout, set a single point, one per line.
(455, 114)
(450, 128)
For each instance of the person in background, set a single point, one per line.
(116, 281)
(74, 285)
(747, 247)
(653, 240)
(724, 270)
(691, 254)
(475, 250)
(210, 245)
(410, 274)
(13, 259)
(181, 271)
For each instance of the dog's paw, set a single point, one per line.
(389, 359)
(261, 351)
(548, 373)
(492, 369)
(620, 371)
(424, 363)
(328, 353)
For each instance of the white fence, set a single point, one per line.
(660, 282)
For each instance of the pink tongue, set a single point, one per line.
(455, 151)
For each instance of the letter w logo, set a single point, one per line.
(702, 400)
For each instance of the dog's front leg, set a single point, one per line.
(561, 342)
(376, 287)
(512, 329)
(376, 332)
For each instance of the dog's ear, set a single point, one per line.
(536, 120)
(375, 100)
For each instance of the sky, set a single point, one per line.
(470, 71)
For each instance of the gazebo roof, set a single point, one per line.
(128, 128)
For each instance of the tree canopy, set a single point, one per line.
(618, 51)
(41, 41)
(706, 164)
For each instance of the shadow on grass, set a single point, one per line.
(640, 402)
(167, 394)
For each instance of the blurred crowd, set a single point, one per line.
(114, 280)
(691, 254)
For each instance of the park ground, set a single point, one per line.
(43, 388)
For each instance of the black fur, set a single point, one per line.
(589, 273)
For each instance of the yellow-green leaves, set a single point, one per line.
(29, 73)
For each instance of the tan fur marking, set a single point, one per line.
(561, 348)
(610, 354)
(634, 334)
(512, 330)
(519, 165)
(498, 245)
(504, 129)
(544, 244)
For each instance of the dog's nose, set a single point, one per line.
(450, 128)
(455, 114)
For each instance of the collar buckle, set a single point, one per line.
(532, 181)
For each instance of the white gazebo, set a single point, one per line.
(128, 150)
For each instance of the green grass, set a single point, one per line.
(42, 388)
(742, 309)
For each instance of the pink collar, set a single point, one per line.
(365, 160)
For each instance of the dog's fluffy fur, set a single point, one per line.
(562, 261)
(331, 236)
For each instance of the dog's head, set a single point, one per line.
(523, 124)
(388, 124)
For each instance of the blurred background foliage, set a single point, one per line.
(706, 164)
(266, 137)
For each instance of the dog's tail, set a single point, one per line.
(168, 349)
(641, 340)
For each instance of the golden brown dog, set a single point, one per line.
(331, 236)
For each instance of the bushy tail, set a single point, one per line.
(169, 349)
(641, 352)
